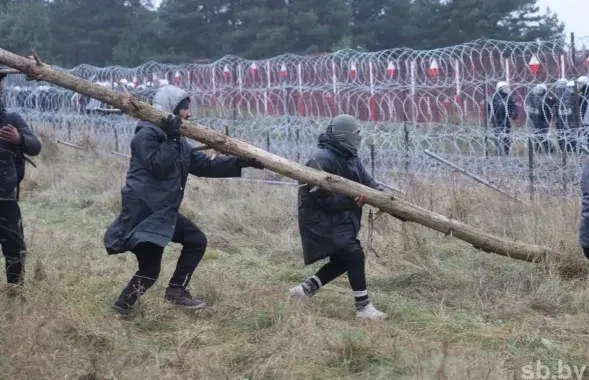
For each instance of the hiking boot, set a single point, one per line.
(126, 305)
(182, 299)
(15, 269)
(123, 308)
(366, 310)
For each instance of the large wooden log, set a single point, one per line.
(35, 69)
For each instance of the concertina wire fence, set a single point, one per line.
(408, 101)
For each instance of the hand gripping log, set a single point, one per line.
(35, 69)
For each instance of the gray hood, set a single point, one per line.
(168, 97)
(346, 131)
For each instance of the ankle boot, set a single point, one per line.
(127, 303)
(182, 299)
(15, 269)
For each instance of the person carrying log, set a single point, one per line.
(329, 223)
(161, 159)
(16, 141)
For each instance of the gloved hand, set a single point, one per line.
(250, 163)
(171, 126)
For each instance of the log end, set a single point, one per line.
(530, 257)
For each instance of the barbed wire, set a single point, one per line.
(408, 101)
(389, 152)
(395, 85)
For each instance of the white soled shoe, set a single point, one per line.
(301, 291)
(366, 310)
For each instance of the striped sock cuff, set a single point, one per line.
(317, 281)
(361, 296)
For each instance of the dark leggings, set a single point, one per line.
(149, 258)
(349, 259)
(12, 241)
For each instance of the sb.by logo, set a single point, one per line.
(542, 371)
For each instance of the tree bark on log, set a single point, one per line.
(34, 68)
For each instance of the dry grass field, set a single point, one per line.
(456, 313)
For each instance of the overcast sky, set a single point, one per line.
(574, 13)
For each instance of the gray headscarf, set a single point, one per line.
(346, 131)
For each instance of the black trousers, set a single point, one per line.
(12, 241)
(149, 258)
(350, 259)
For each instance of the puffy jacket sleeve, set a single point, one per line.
(326, 200)
(31, 146)
(584, 227)
(157, 154)
(202, 165)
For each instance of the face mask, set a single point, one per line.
(346, 132)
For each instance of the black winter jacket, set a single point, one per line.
(540, 110)
(156, 180)
(329, 222)
(155, 186)
(565, 110)
(12, 157)
(502, 110)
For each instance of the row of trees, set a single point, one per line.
(131, 32)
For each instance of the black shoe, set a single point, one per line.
(127, 303)
(15, 269)
(182, 299)
(123, 308)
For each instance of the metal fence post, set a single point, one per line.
(116, 137)
(372, 163)
(406, 138)
(531, 167)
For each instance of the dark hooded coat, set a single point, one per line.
(12, 172)
(565, 107)
(502, 110)
(329, 222)
(12, 157)
(539, 108)
(156, 180)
